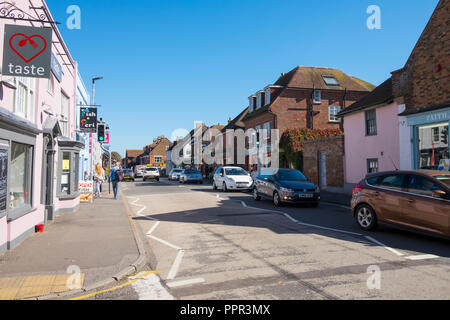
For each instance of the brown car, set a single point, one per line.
(416, 199)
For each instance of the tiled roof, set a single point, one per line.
(133, 153)
(312, 77)
(381, 95)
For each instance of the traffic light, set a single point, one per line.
(101, 133)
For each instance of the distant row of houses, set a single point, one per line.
(401, 124)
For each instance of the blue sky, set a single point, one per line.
(168, 63)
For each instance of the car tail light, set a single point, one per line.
(358, 188)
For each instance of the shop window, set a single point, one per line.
(433, 145)
(20, 176)
(68, 173)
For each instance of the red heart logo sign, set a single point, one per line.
(24, 42)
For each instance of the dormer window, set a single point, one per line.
(267, 98)
(258, 101)
(251, 104)
(330, 81)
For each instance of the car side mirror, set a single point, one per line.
(439, 194)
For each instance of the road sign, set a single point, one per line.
(27, 51)
(88, 119)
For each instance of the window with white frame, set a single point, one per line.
(64, 115)
(24, 97)
(267, 93)
(252, 106)
(51, 85)
(332, 113)
(158, 159)
(317, 96)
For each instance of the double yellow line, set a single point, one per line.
(130, 282)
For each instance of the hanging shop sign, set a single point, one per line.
(3, 179)
(27, 51)
(56, 68)
(88, 120)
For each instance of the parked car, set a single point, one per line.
(232, 178)
(151, 174)
(416, 199)
(128, 174)
(175, 174)
(139, 171)
(191, 175)
(286, 186)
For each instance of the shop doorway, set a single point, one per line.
(433, 146)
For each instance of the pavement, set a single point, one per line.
(95, 246)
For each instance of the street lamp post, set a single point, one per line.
(92, 141)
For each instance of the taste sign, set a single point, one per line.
(27, 51)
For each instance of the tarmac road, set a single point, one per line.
(212, 245)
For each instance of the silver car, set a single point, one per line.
(191, 176)
(175, 174)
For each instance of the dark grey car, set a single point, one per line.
(286, 186)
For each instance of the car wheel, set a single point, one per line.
(256, 196)
(157, 179)
(224, 187)
(277, 200)
(214, 186)
(366, 217)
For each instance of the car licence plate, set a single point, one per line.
(305, 196)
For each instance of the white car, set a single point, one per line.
(175, 174)
(151, 174)
(232, 178)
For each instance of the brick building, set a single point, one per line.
(422, 90)
(306, 97)
(130, 157)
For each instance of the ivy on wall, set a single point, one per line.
(291, 144)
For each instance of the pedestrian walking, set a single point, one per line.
(99, 178)
(116, 176)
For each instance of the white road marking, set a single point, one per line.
(165, 242)
(153, 228)
(290, 218)
(422, 257)
(331, 229)
(244, 204)
(398, 253)
(150, 288)
(176, 265)
(185, 283)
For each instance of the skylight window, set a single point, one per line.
(330, 81)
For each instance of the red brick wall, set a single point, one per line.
(418, 82)
(334, 148)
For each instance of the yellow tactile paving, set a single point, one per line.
(34, 286)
